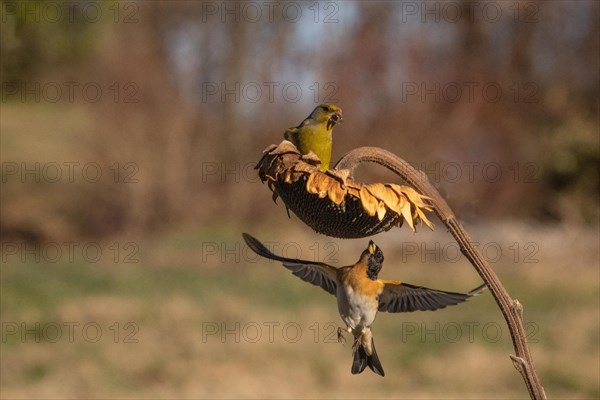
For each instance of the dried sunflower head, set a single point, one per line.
(331, 202)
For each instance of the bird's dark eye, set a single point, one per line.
(326, 109)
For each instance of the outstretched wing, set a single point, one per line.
(317, 273)
(404, 297)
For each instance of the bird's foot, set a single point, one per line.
(340, 336)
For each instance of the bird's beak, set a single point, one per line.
(335, 119)
(372, 247)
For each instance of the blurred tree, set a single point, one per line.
(193, 150)
(34, 45)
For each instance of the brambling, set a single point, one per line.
(360, 295)
(315, 133)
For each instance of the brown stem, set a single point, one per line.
(511, 309)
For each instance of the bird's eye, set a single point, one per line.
(326, 109)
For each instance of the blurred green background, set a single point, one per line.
(129, 133)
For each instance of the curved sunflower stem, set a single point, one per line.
(511, 309)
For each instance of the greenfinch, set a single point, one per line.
(315, 133)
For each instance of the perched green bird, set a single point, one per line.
(315, 133)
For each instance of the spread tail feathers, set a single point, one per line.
(362, 360)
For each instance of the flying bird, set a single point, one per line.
(361, 294)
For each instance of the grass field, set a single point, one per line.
(194, 315)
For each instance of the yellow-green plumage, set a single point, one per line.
(315, 133)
